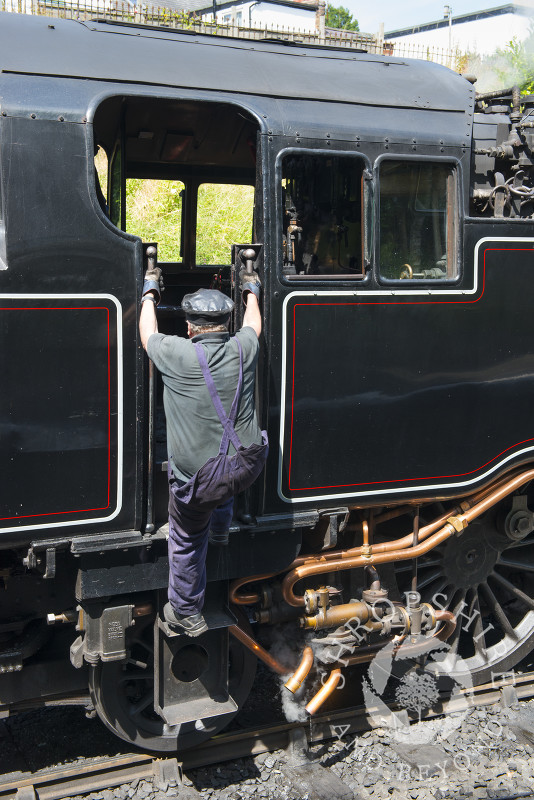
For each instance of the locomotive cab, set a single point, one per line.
(393, 234)
(186, 170)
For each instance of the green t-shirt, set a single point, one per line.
(194, 431)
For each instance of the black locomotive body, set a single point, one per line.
(393, 232)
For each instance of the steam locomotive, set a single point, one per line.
(392, 225)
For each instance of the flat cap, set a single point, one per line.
(207, 305)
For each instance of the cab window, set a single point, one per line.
(418, 213)
(154, 213)
(323, 217)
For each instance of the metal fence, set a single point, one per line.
(164, 17)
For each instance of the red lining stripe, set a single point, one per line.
(397, 303)
(75, 308)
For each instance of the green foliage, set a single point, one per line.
(154, 212)
(176, 19)
(224, 217)
(519, 58)
(340, 17)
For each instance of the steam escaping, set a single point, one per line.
(511, 65)
(293, 705)
(287, 644)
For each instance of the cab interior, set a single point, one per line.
(180, 174)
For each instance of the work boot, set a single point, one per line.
(218, 537)
(193, 625)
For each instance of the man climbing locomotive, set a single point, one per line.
(215, 446)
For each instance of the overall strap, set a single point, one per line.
(227, 422)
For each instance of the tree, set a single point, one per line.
(519, 61)
(340, 17)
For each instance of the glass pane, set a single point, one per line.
(322, 215)
(224, 217)
(154, 213)
(417, 221)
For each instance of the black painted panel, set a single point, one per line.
(58, 243)
(58, 415)
(398, 392)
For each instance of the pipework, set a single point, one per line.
(445, 526)
(384, 547)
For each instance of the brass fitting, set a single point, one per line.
(316, 600)
(334, 616)
(458, 523)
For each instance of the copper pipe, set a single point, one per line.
(499, 494)
(415, 543)
(301, 673)
(431, 527)
(384, 547)
(324, 558)
(386, 552)
(247, 599)
(365, 533)
(324, 692)
(405, 541)
(398, 511)
(394, 544)
(455, 524)
(258, 650)
(359, 561)
(365, 654)
(446, 631)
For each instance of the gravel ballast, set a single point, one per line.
(489, 755)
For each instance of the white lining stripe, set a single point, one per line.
(120, 410)
(383, 293)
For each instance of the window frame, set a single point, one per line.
(367, 247)
(456, 173)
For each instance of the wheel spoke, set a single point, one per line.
(522, 543)
(437, 573)
(454, 640)
(495, 614)
(407, 567)
(497, 610)
(135, 675)
(479, 637)
(146, 700)
(522, 566)
(524, 598)
(443, 584)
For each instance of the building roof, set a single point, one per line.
(473, 16)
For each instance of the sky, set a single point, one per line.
(397, 14)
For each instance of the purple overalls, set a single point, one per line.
(206, 500)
